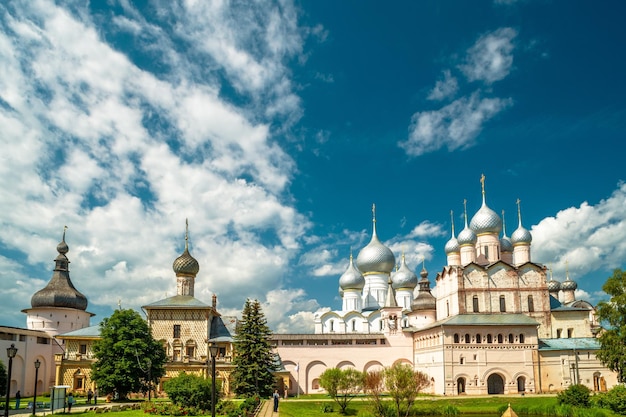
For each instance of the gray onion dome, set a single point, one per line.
(424, 300)
(404, 277)
(186, 264)
(452, 245)
(569, 285)
(60, 292)
(521, 235)
(467, 237)
(375, 257)
(352, 279)
(486, 221)
(505, 242)
(554, 285)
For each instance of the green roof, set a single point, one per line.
(178, 301)
(577, 343)
(85, 332)
(496, 319)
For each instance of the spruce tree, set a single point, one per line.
(254, 360)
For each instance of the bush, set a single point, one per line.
(576, 395)
(615, 399)
(188, 390)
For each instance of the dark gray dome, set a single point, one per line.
(424, 300)
(554, 285)
(186, 264)
(569, 285)
(505, 244)
(60, 292)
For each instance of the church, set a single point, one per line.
(493, 323)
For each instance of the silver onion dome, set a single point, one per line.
(404, 277)
(467, 237)
(375, 257)
(452, 246)
(554, 285)
(521, 236)
(568, 285)
(486, 221)
(352, 279)
(505, 243)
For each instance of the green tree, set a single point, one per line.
(374, 386)
(3, 379)
(342, 385)
(189, 390)
(126, 355)
(403, 385)
(254, 360)
(612, 314)
(577, 395)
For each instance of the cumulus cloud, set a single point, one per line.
(445, 88)
(454, 126)
(490, 59)
(122, 152)
(427, 229)
(584, 238)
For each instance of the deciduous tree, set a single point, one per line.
(342, 385)
(612, 315)
(254, 360)
(122, 354)
(189, 390)
(403, 385)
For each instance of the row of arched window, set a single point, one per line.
(478, 338)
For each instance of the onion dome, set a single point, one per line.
(186, 264)
(521, 235)
(424, 300)
(352, 279)
(554, 285)
(452, 245)
(404, 277)
(505, 242)
(375, 257)
(485, 220)
(568, 284)
(60, 292)
(467, 235)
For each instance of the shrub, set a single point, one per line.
(615, 399)
(576, 395)
(188, 390)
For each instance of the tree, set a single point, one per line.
(612, 313)
(189, 390)
(577, 395)
(126, 354)
(342, 385)
(3, 379)
(403, 385)
(254, 360)
(374, 386)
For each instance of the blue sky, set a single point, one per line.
(274, 126)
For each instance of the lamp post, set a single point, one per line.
(37, 365)
(11, 352)
(213, 349)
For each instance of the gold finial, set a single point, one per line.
(374, 212)
(503, 224)
(64, 229)
(566, 270)
(350, 254)
(423, 262)
(482, 183)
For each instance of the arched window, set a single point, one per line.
(511, 338)
(332, 325)
(521, 338)
(479, 338)
(531, 304)
(456, 338)
(475, 304)
(468, 339)
(448, 308)
(521, 384)
(502, 304)
(500, 339)
(489, 338)
(354, 325)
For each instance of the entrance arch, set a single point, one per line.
(495, 384)
(460, 386)
(521, 384)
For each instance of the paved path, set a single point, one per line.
(267, 410)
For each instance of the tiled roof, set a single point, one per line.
(223, 329)
(578, 343)
(178, 301)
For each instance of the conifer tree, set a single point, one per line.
(254, 360)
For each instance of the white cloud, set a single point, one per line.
(490, 59)
(586, 238)
(454, 126)
(426, 229)
(445, 88)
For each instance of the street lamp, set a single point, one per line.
(213, 349)
(37, 365)
(11, 352)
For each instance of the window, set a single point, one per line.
(332, 325)
(82, 349)
(456, 338)
(570, 333)
(177, 331)
(531, 304)
(475, 304)
(479, 338)
(190, 351)
(521, 338)
(502, 304)
(558, 333)
(461, 360)
(354, 325)
(43, 341)
(511, 338)
(468, 339)
(447, 308)
(500, 338)
(487, 252)
(489, 339)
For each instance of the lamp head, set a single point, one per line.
(213, 349)
(11, 351)
(37, 364)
